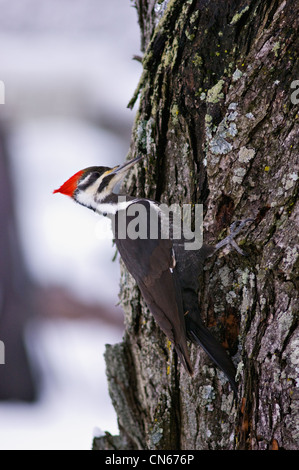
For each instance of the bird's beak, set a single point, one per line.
(123, 168)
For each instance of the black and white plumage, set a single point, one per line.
(167, 274)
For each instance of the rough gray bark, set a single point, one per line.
(218, 127)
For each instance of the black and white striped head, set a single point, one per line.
(93, 185)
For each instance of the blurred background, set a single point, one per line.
(68, 73)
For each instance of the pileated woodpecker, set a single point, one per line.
(167, 274)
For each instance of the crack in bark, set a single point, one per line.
(186, 91)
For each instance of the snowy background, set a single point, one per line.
(68, 73)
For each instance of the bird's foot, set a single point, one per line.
(235, 229)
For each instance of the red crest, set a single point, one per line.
(70, 185)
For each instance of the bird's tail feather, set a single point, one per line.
(198, 333)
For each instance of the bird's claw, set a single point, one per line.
(237, 226)
(235, 229)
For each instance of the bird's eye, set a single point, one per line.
(88, 180)
(93, 177)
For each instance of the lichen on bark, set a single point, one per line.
(218, 127)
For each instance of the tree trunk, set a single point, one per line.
(217, 122)
(16, 307)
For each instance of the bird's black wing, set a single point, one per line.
(152, 264)
(189, 267)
